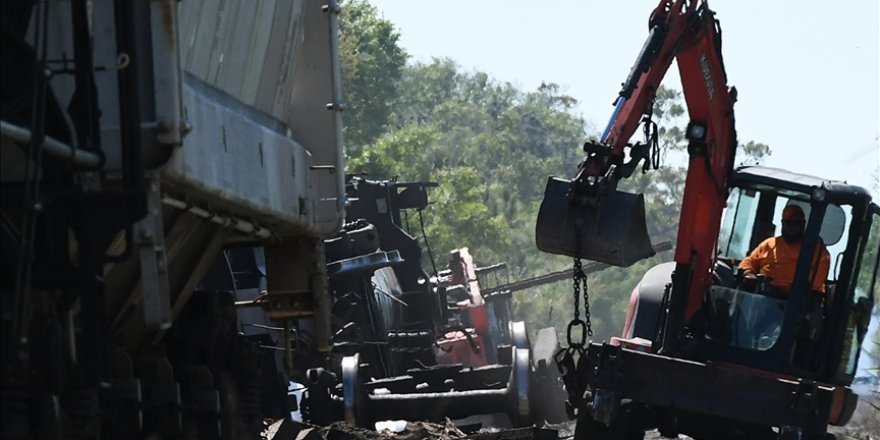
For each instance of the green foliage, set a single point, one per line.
(398, 154)
(371, 63)
(421, 90)
(458, 206)
(752, 153)
(488, 144)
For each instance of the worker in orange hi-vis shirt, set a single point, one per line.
(776, 257)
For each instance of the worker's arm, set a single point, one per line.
(750, 266)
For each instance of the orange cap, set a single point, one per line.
(793, 212)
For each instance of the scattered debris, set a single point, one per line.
(290, 430)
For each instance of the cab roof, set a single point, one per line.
(761, 177)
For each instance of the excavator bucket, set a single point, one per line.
(614, 232)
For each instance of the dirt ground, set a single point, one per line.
(865, 425)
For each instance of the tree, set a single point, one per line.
(753, 153)
(399, 154)
(492, 147)
(458, 207)
(371, 62)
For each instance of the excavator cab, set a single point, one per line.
(798, 350)
(813, 327)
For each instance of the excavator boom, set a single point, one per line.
(587, 217)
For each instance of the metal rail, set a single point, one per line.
(561, 275)
(243, 226)
(76, 156)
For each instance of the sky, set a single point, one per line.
(807, 72)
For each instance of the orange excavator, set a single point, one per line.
(701, 354)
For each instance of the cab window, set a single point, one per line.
(863, 300)
(736, 228)
(752, 216)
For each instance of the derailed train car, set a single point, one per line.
(140, 141)
(408, 344)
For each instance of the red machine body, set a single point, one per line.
(462, 347)
(464, 342)
(687, 32)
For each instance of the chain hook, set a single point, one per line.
(565, 358)
(584, 333)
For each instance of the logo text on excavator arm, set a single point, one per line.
(707, 76)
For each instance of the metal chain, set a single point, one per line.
(578, 267)
(579, 279)
(580, 285)
(565, 358)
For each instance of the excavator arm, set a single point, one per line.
(589, 211)
(712, 143)
(681, 30)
